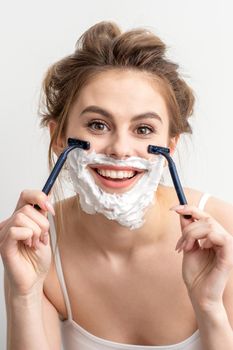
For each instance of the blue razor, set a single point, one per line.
(174, 175)
(72, 144)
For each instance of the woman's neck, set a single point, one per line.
(109, 237)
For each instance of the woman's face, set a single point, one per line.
(120, 113)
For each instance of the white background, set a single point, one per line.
(34, 34)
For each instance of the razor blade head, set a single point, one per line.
(158, 149)
(79, 143)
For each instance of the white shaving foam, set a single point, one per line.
(126, 208)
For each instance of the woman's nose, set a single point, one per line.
(119, 147)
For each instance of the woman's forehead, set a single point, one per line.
(127, 92)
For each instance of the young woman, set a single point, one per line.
(122, 267)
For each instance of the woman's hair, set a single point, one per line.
(104, 47)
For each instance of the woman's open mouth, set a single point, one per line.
(116, 177)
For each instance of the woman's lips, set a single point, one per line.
(118, 183)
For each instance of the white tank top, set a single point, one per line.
(74, 337)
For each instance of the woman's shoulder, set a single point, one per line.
(193, 196)
(213, 203)
(215, 206)
(219, 209)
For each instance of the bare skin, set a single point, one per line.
(125, 286)
(136, 290)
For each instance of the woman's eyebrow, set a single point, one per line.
(99, 110)
(151, 115)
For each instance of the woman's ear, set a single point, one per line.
(173, 143)
(59, 144)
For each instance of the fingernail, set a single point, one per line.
(28, 242)
(45, 239)
(182, 246)
(35, 243)
(179, 243)
(186, 247)
(50, 207)
(176, 207)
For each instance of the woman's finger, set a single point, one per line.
(34, 197)
(186, 209)
(3, 223)
(215, 238)
(36, 216)
(22, 220)
(44, 238)
(187, 241)
(20, 233)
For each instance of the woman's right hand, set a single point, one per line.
(24, 243)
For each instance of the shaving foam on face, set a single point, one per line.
(127, 208)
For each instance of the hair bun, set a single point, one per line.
(139, 45)
(100, 34)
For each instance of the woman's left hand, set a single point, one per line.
(208, 255)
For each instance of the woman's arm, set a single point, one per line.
(207, 244)
(26, 254)
(32, 321)
(214, 326)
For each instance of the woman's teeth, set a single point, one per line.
(116, 174)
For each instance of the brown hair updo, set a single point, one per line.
(101, 48)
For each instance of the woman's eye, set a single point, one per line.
(97, 126)
(144, 130)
